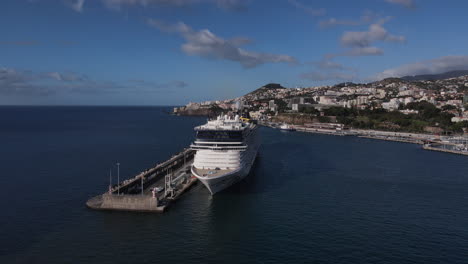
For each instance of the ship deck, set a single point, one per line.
(210, 172)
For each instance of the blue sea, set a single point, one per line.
(309, 198)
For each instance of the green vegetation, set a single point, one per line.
(323, 119)
(282, 105)
(309, 110)
(215, 110)
(448, 107)
(428, 115)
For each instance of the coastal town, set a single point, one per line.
(415, 109)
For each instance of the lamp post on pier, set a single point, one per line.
(118, 178)
(110, 181)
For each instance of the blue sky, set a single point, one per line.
(170, 52)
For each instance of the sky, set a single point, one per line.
(171, 52)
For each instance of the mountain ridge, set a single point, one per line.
(269, 86)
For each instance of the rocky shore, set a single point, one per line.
(197, 110)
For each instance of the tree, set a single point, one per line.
(344, 120)
(323, 119)
(339, 111)
(282, 105)
(448, 107)
(309, 110)
(458, 127)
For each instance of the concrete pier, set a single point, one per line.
(459, 152)
(172, 176)
(396, 139)
(141, 203)
(153, 174)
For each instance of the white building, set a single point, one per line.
(362, 100)
(457, 119)
(392, 105)
(455, 102)
(255, 115)
(295, 107)
(381, 93)
(272, 106)
(408, 111)
(408, 100)
(326, 100)
(239, 105)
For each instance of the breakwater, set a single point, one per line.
(152, 190)
(447, 148)
(429, 141)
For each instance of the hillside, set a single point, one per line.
(270, 86)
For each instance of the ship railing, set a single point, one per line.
(215, 147)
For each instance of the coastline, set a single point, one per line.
(428, 141)
(431, 142)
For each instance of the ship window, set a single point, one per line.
(220, 135)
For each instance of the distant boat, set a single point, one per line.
(286, 127)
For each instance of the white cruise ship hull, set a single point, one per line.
(215, 184)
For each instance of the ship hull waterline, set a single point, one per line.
(224, 181)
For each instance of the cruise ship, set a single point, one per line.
(226, 148)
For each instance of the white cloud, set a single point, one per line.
(330, 70)
(66, 77)
(309, 10)
(19, 82)
(338, 22)
(77, 5)
(231, 4)
(366, 18)
(328, 64)
(363, 51)
(361, 43)
(357, 51)
(28, 83)
(225, 4)
(406, 3)
(433, 66)
(375, 33)
(206, 44)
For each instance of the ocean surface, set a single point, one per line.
(309, 199)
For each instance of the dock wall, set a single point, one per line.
(402, 140)
(130, 202)
(446, 150)
(127, 195)
(154, 174)
(141, 203)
